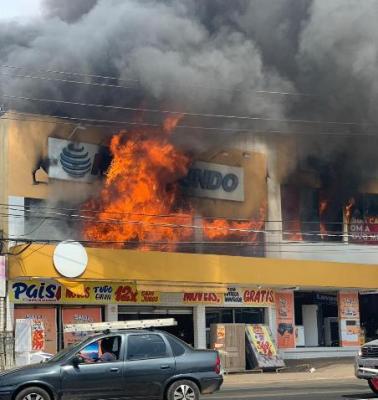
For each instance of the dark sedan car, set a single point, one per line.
(123, 364)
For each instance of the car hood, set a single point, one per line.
(372, 343)
(25, 369)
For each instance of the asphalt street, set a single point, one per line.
(317, 390)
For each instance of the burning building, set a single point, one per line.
(168, 231)
(185, 168)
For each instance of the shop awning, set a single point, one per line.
(197, 270)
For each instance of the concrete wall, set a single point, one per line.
(339, 252)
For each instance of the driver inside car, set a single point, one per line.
(105, 354)
(107, 351)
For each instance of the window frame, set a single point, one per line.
(179, 342)
(168, 352)
(121, 355)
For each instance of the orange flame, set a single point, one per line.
(348, 209)
(246, 230)
(170, 123)
(323, 205)
(293, 231)
(141, 201)
(141, 191)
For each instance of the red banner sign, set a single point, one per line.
(364, 230)
(202, 298)
(259, 297)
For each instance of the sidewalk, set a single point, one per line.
(338, 371)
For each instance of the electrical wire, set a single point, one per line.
(206, 244)
(209, 130)
(17, 253)
(49, 71)
(185, 113)
(35, 229)
(85, 219)
(210, 242)
(48, 79)
(171, 215)
(23, 119)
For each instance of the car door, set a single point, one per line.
(99, 375)
(149, 364)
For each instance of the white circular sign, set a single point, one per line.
(70, 259)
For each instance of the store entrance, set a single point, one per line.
(316, 319)
(369, 316)
(183, 316)
(242, 315)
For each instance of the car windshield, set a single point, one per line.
(62, 353)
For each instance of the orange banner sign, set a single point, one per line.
(349, 315)
(41, 316)
(285, 320)
(79, 315)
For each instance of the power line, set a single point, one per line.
(210, 130)
(185, 113)
(35, 229)
(191, 244)
(17, 207)
(23, 119)
(50, 71)
(212, 242)
(48, 79)
(83, 218)
(182, 214)
(262, 92)
(28, 243)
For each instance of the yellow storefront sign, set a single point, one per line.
(51, 292)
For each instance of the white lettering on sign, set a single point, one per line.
(215, 181)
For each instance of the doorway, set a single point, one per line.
(183, 316)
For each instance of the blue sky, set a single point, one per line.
(19, 9)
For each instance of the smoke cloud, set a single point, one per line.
(69, 11)
(207, 57)
(168, 52)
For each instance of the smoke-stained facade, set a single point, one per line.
(224, 56)
(273, 106)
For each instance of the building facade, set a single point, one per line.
(275, 261)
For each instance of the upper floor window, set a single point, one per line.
(362, 218)
(307, 215)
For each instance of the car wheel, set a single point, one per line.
(33, 393)
(183, 390)
(373, 383)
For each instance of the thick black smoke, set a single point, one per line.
(168, 54)
(69, 11)
(207, 57)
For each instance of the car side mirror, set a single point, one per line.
(76, 360)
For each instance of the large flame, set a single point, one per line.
(140, 198)
(141, 203)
